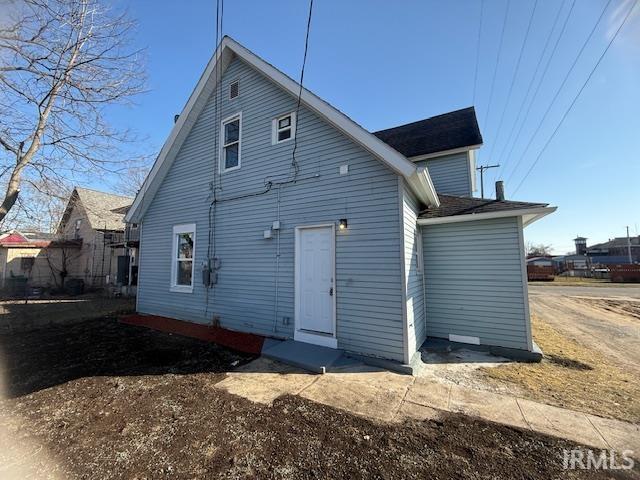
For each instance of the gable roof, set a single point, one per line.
(617, 242)
(417, 178)
(454, 208)
(104, 210)
(27, 239)
(449, 131)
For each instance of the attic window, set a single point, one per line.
(234, 89)
(283, 128)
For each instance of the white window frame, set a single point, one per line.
(229, 119)
(177, 230)
(275, 130)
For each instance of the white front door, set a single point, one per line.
(315, 289)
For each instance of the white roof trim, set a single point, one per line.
(529, 215)
(206, 85)
(453, 151)
(420, 182)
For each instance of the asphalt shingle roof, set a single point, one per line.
(436, 134)
(104, 210)
(451, 205)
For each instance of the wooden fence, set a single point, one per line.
(624, 273)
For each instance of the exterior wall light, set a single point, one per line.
(343, 224)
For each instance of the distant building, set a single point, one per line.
(615, 251)
(34, 258)
(96, 218)
(581, 245)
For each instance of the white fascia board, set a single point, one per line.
(471, 158)
(453, 151)
(421, 184)
(529, 215)
(181, 128)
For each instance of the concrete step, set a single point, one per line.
(313, 358)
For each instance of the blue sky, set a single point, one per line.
(387, 63)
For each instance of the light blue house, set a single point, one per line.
(290, 220)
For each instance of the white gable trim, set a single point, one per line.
(529, 215)
(206, 85)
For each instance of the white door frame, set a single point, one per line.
(325, 340)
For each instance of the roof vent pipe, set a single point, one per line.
(500, 190)
(176, 117)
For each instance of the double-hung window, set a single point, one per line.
(283, 128)
(184, 243)
(231, 137)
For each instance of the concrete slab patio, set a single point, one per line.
(386, 396)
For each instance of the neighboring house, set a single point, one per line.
(35, 257)
(541, 261)
(96, 218)
(358, 241)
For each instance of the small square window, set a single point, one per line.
(284, 128)
(234, 89)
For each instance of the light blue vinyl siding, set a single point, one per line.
(474, 282)
(450, 174)
(413, 275)
(368, 258)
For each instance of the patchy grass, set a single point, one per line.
(572, 376)
(582, 282)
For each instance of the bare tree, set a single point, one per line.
(132, 179)
(62, 64)
(61, 255)
(538, 250)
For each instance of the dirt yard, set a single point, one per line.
(591, 343)
(100, 399)
(18, 315)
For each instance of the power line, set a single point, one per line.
(495, 70)
(535, 75)
(513, 78)
(577, 96)
(557, 94)
(294, 162)
(475, 76)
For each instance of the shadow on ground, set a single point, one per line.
(42, 358)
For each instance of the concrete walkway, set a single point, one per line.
(382, 395)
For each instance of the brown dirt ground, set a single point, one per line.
(572, 375)
(106, 400)
(16, 315)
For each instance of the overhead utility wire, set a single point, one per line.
(495, 70)
(513, 78)
(533, 78)
(294, 161)
(475, 76)
(217, 115)
(557, 94)
(577, 96)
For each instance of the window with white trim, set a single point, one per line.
(184, 244)
(283, 128)
(231, 138)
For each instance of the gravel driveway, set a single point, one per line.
(605, 318)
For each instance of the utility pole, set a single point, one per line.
(482, 168)
(629, 246)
